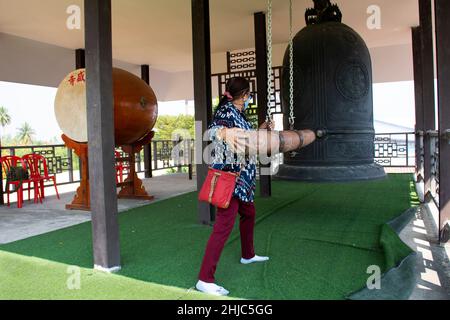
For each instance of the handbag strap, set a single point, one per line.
(213, 185)
(237, 173)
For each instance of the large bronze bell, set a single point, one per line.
(332, 95)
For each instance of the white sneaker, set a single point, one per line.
(211, 288)
(254, 259)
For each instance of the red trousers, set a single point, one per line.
(223, 226)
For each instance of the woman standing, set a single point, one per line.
(231, 114)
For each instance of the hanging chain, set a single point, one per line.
(269, 60)
(291, 77)
(291, 71)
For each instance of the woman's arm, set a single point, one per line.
(255, 142)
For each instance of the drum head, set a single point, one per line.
(70, 106)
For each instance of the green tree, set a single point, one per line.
(168, 127)
(5, 118)
(8, 140)
(25, 134)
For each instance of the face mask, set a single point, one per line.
(247, 102)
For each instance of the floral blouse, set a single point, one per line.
(228, 116)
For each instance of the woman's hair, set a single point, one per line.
(234, 89)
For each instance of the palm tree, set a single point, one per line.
(5, 118)
(25, 134)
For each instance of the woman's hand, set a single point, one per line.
(268, 125)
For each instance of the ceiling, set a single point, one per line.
(158, 32)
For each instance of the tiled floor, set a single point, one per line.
(33, 219)
(433, 266)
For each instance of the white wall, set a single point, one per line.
(32, 62)
(392, 64)
(219, 62)
(389, 64)
(170, 86)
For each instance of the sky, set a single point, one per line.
(393, 103)
(32, 104)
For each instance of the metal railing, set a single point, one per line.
(434, 173)
(63, 162)
(60, 160)
(395, 149)
(170, 154)
(420, 155)
(391, 150)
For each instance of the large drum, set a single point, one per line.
(135, 107)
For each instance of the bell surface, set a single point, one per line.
(332, 95)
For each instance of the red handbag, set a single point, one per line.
(218, 187)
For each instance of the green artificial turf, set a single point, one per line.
(321, 238)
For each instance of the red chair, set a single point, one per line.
(37, 165)
(120, 167)
(8, 162)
